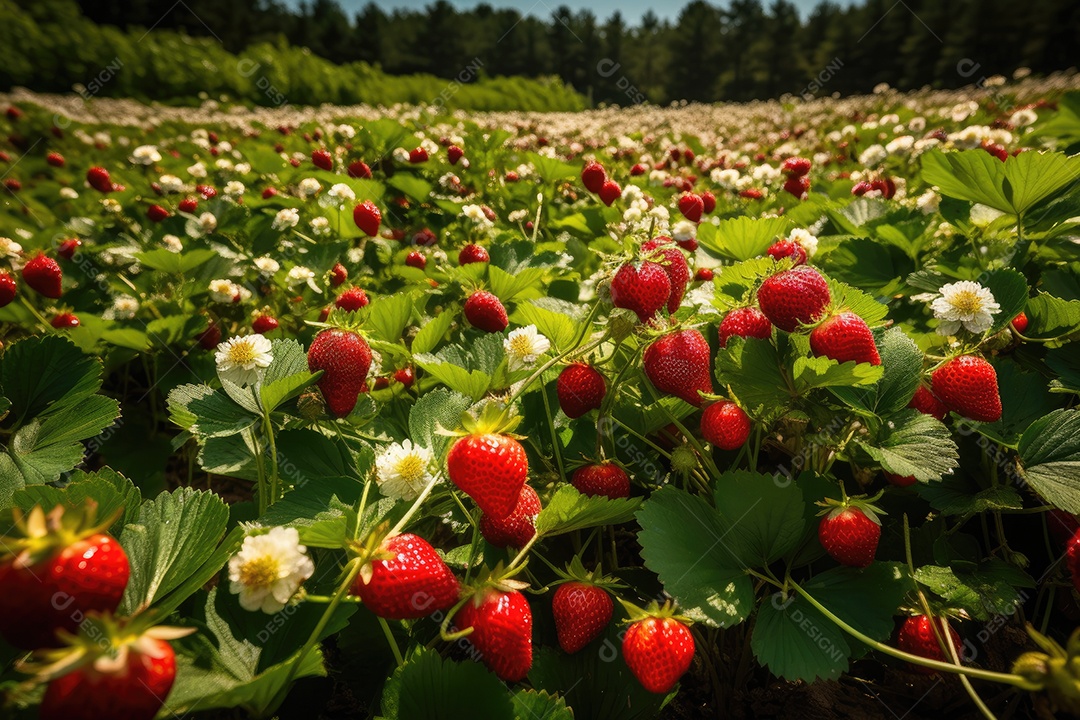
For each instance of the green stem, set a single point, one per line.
(523, 552)
(260, 465)
(275, 480)
(555, 449)
(415, 507)
(362, 507)
(392, 641)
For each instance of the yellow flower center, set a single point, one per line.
(242, 353)
(261, 571)
(411, 469)
(967, 302)
(521, 346)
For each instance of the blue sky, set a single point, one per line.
(632, 10)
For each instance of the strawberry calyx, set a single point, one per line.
(576, 572)
(370, 549)
(494, 418)
(833, 507)
(38, 534)
(347, 320)
(489, 580)
(636, 613)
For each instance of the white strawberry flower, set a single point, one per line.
(68, 193)
(805, 240)
(300, 275)
(9, 247)
(234, 188)
(267, 265)
(172, 243)
(171, 184)
(242, 359)
(403, 470)
(524, 345)
(145, 155)
(269, 569)
(223, 291)
(964, 304)
(308, 187)
(286, 218)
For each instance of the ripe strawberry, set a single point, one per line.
(367, 217)
(264, 324)
(708, 201)
(899, 480)
(787, 248)
(850, 536)
(644, 289)
(916, 636)
(795, 167)
(473, 253)
(64, 321)
(424, 238)
(55, 159)
(454, 153)
(67, 248)
(845, 337)
(210, 338)
(352, 299)
(691, 206)
(744, 322)
(207, 191)
(798, 186)
(15, 186)
(58, 570)
(406, 376)
(968, 385)
(416, 259)
(345, 358)
(407, 580)
(338, 275)
(418, 155)
(593, 177)
(637, 169)
(156, 213)
(725, 425)
(580, 388)
(322, 159)
(751, 194)
(658, 651)
(133, 688)
(190, 205)
(603, 479)
(486, 312)
(359, 169)
(678, 364)
(704, 274)
(1020, 323)
(491, 469)
(674, 264)
(44, 276)
(1072, 556)
(517, 528)
(794, 297)
(610, 191)
(98, 178)
(268, 193)
(8, 288)
(581, 611)
(925, 402)
(502, 631)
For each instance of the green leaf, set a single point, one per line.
(112, 492)
(868, 264)
(569, 510)
(763, 517)
(1010, 290)
(1032, 177)
(440, 409)
(557, 327)
(1024, 399)
(751, 368)
(427, 687)
(172, 263)
(683, 541)
(1049, 316)
(734, 282)
(741, 238)
(506, 286)
(413, 186)
(858, 302)
(228, 547)
(1013, 186)
(901, 362)
(175, 534)
(208, 413)
(985, 590)
(287, 375)
(911, 443)
(40, 371)
(433, 331)
(387, 316)
(533, 705)
(1050, 458)
(823, 372)
(470, 383)
(958, 495)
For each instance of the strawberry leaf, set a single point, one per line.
(741, 238)
(1010, 289)
(1050, 458)
(959, 495)
(986, 589)
(569, 510)
(1049, 316)
(533, 705)
(762, 515)
(427, 686)
(911, 443)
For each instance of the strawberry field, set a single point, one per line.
(706, 411)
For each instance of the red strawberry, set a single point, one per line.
(98, 178)
(264, 324)
(57, 572)
(861, 188)
(189, 205)
(64, 321)
(502, 631)
(1062, 526)
(603, 479)
(708, 201)
(704, 274)
(968, 385)
(798, 186)
(916, 636)
(8, 288)
(744, 322)
(678, 363)
(1020, 323)
(424, 237)
(925, 402)
(788, 248)
(44, 276)
(610, 191)
(345, 358)
(15, 186)
(486, 312)
(210, 338)
(268, 193)
(418, 155)
(725, 425)
(406, 376)
(644, 289)
(67, 248)
(691, 206)
(751, 194)
(367, 217)
(593, 177)
(207, 191)
(581, 388)
(416, 259)
(473, 253)
(55, 159)
(359, 169)
(322, 159)
(900, 480)
(845, 337)
(491, 469)
(674, 264)
(338, 275)
(637, 169)
(850, 536)
(156, 213)
(517, 528)
(134, 688)
(407, 580)
(658, 651)
(794, 297)
(351, 300)
(1072, 556)
(454, 153)
(795, 167)
(581, 611)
